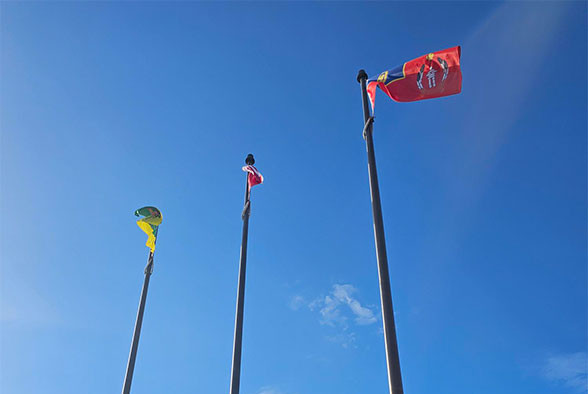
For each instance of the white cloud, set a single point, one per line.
(332, 311)
(296, 302)
(363, 315)
(568, 369)
(339, 309)
(269, 390)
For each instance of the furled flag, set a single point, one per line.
(254, 177)
(149, 223)
(437, 74)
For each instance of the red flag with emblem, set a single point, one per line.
(437, 74)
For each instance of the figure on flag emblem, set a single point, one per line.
(445, 68)
(420, 77)
(431, 77)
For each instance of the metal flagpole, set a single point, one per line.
(237, 342)
(392, 359)
(137, 333)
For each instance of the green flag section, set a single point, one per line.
(149, 223)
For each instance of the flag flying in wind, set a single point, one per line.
(149, 223)
(434, 75)
(254, 177)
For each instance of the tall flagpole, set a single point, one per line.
(238, 339)
(392, 359)
(137, 333)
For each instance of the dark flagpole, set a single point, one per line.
(392, 359)
(238, 339)
(137, 333)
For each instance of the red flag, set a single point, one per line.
(434, 75)
(254, 177)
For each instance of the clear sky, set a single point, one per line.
(110, 106)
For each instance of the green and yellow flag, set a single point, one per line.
(149, 224)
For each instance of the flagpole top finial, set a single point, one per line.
(361, 75)
(250, 160)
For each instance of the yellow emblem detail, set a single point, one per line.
(383, 77)
(430, 56)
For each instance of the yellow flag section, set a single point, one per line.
(149, 223)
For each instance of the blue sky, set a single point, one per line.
(107, 107)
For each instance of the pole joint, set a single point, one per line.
(149, 266)
(368, 126)
(245, 212)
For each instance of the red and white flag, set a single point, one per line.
(254, 177)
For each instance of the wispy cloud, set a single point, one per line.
(363, 315)
(296, 302)
(569, 370)
(269, 390)
(333, 311)
(339, 309)
(345, 339)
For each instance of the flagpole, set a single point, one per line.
(392, 358)
(137, 333)
(238, 338)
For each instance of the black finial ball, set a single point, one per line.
(250, 160)
(361, 75)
